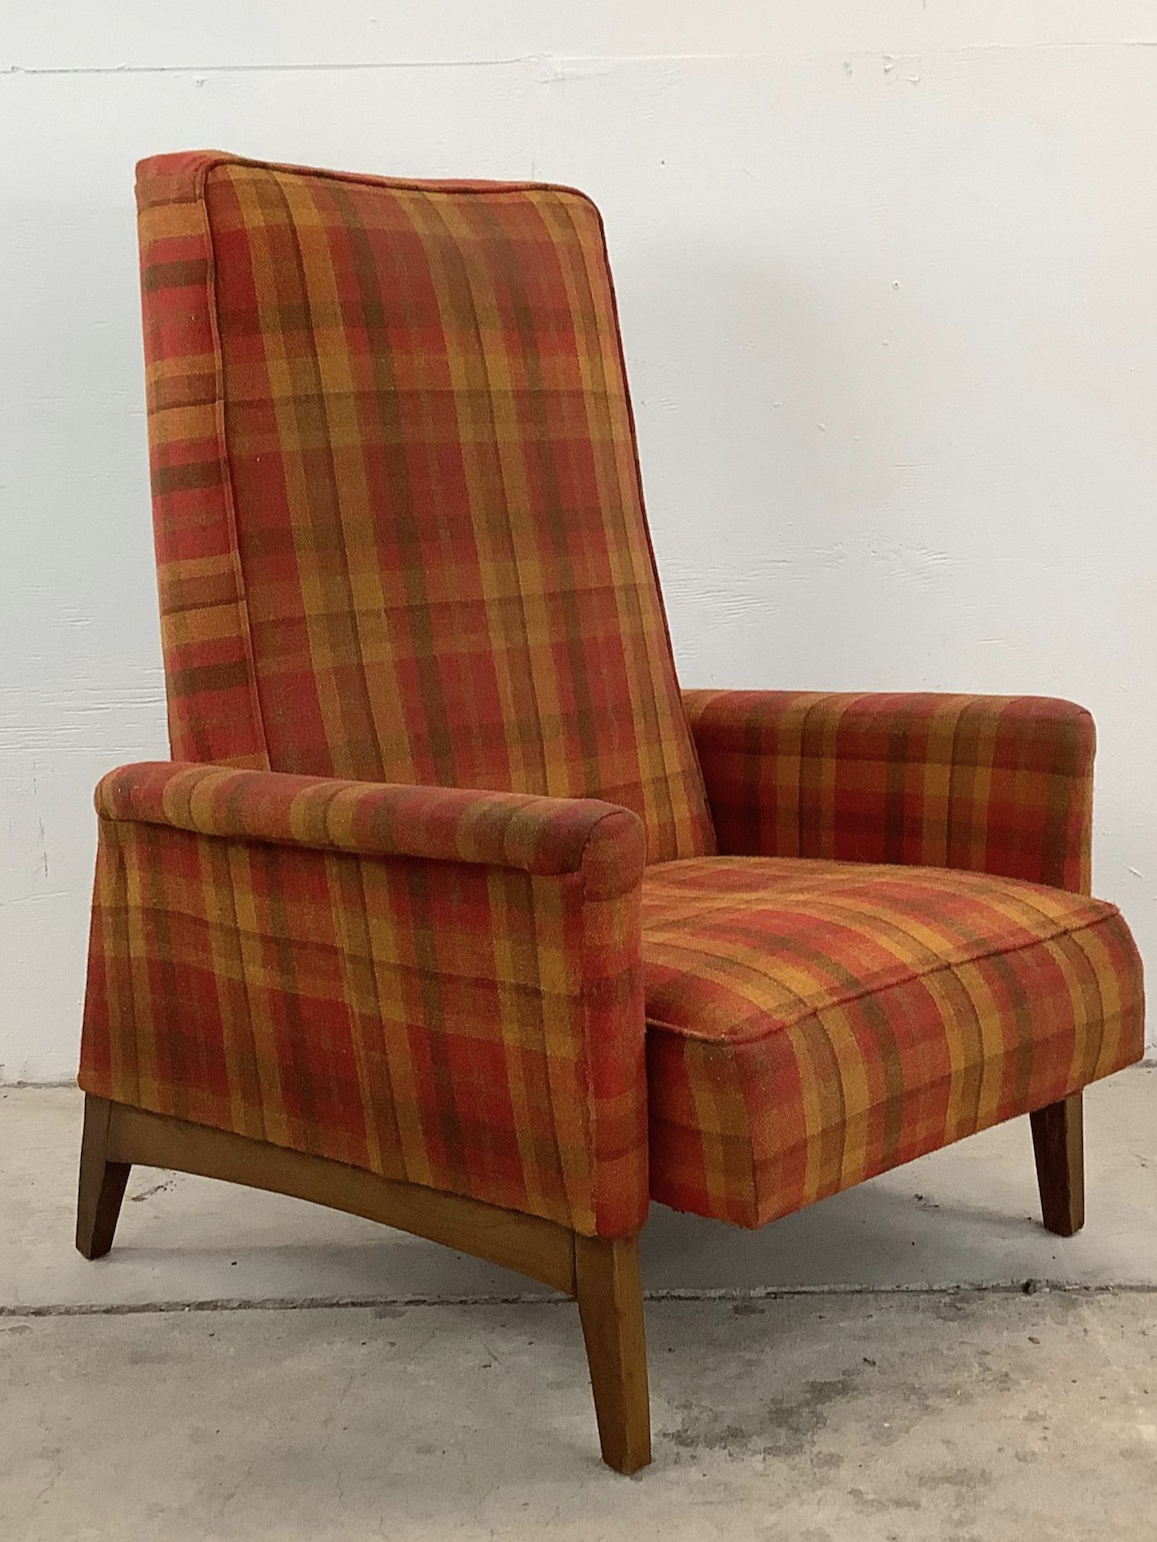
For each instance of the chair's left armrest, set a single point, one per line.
(995, 784)
(437, 984)
(538, 835)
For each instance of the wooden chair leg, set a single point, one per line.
(610, 1301)
(1059, 1147)
(102, 1183)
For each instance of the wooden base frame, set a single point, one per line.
(602, 1274)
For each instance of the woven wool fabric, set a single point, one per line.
(472, 1025)
(402, 555)
(812, 1024)
(399, 523)
(987, 783)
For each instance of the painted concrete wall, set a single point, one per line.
(887, 275)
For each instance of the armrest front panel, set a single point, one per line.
(441, 987)
(992, 784)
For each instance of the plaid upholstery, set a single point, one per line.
(400, 534)
(436, 985)
(402, 555)
(992, 784)
(811, 1024)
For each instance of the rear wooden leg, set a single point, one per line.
(1059, 1147)
(610, 1301)
(102, 1183)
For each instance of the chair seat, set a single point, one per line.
(812, 1024)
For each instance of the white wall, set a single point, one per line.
(887, 275)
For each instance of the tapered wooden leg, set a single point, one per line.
(102, 1183)
(1059, 1146)
(610, 1300)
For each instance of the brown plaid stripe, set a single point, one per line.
(811, 1024)
(992, 784)
(435, 985)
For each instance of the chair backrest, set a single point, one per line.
(399, 523)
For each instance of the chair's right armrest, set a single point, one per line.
(440, 985)
(991, 784)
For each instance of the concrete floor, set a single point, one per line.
(247, 1366)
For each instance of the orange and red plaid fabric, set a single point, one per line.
(811, 1024)
(402, 555)
(400, 534)
(437, 985)
(991, 784)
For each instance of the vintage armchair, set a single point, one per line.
(450, 909)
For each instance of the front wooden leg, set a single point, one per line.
(102, 1183)
(1059, 1146)
(610, 1301)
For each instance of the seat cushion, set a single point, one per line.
(811, 1024)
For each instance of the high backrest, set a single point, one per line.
(399, 524)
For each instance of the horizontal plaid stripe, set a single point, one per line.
(471, 1025)
(986, 783)
(812, 1024)
(394, 417)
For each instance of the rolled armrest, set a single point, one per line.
(372, 819)
(439, 986)
(997, 784)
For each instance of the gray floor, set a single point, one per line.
(247, 1366)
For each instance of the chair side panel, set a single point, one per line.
(213, 707)
(470, 1028)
